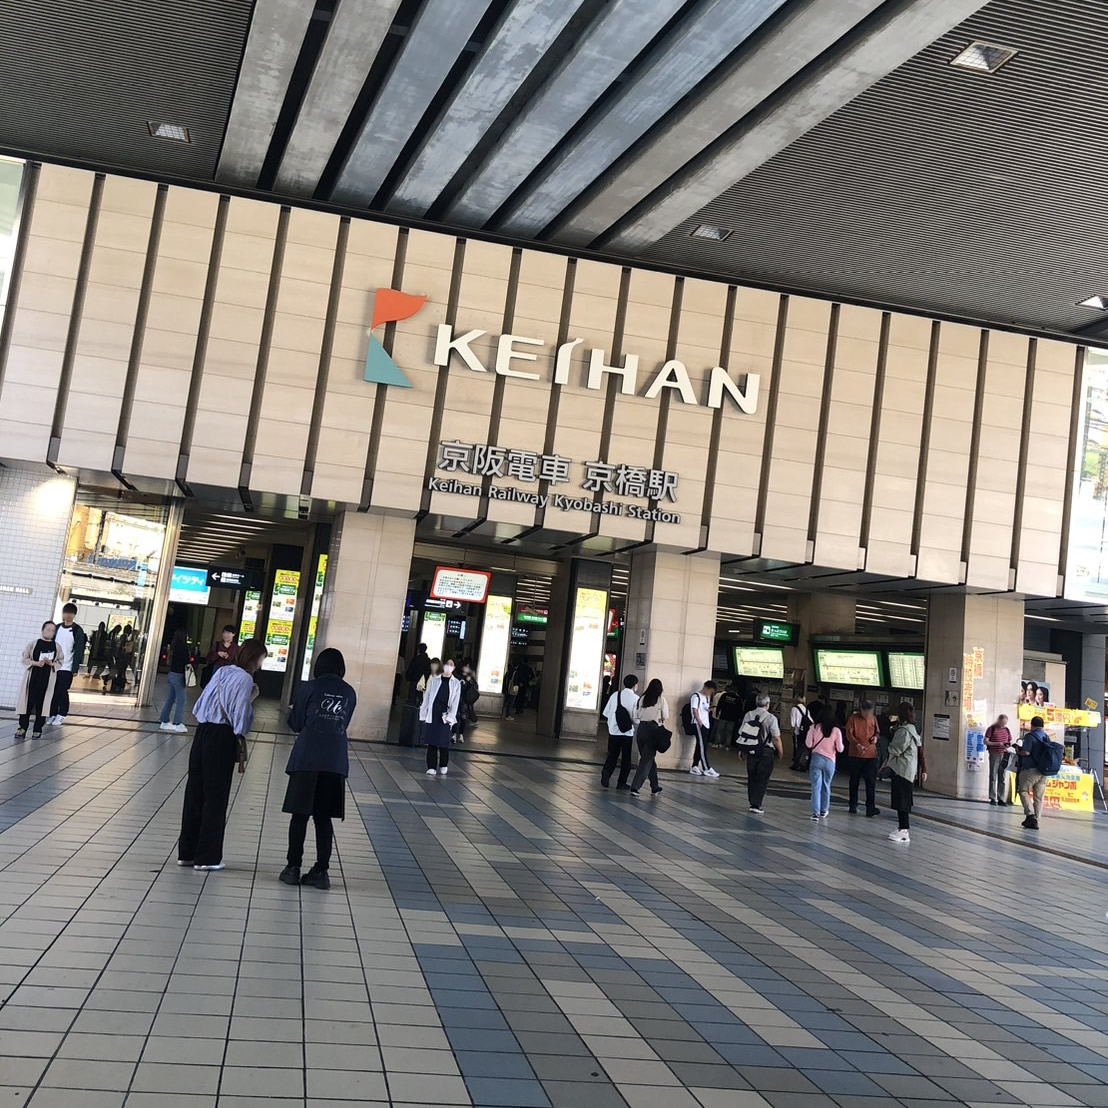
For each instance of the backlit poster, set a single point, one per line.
(250, 605)
(586, 649)
(433, 632)
(282, 611)
(317, 599)
(1087, 556)
(495, 636)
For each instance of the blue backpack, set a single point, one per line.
(1047, 756)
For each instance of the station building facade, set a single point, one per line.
(482, 404)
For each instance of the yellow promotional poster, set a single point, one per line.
(1067, 717)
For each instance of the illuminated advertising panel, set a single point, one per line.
(586, 649)
(495, 635)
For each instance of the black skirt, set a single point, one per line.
(902, 794)
(316, 794)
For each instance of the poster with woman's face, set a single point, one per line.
(1036, 693)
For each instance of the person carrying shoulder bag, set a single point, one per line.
(650, 717)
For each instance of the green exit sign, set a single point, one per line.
(766, 630)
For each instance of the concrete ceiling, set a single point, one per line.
(832, 143)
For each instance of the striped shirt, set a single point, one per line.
(228, 699)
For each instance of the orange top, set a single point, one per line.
(861, 736)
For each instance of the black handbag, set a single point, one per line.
(661, 739)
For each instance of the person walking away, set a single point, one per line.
(419, 669)
(825, 741)
(800, 723)
(318, 766)
(620, 715)
(96, 649)
(903, 762)
(998, 741)
(71, 640)
(760, 740)
(862, 731)
(700, 708)
(1040, 760)
(439, 713)
(650, 716)
(179, 657)
(727, 711)
(522, 679)
(466, 712)
(225, 714)
(40, 660)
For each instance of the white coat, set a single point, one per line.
(28, 661)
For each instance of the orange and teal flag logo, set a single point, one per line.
(389, 306)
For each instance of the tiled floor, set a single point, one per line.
(512, 935)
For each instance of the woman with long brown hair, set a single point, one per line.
(225, 713)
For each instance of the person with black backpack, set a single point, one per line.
(619, 712)
(800, 723)
(1040, 760)
(759, 739)
(726, 713)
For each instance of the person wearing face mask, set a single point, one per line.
(438, 713)
(41, 660)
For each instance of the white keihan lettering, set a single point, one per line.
(673, 375)
(628, 372)
(445, 343)
(505, 352)
(745, 397)
(562, 361)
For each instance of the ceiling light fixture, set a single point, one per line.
(713, 234)
(984, 57)
(175, 132)
(1098, 303)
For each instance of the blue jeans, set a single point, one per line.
(821, 771)
(176, 698)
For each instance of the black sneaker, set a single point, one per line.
(317, 878)
(290, 875)
(1032, 824)
(604, 782)
(852, 811)
(1027, 821)
(657, 790)
(873, 812)
(623, 786)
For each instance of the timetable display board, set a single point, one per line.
(760, 661)
(906, 669)
(849, 667)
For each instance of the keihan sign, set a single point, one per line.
(512, 350)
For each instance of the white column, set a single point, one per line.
(363, 606)
(958, 625)
(671, 621)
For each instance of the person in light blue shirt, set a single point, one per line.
(225, 714)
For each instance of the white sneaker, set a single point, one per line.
(757, 811)
(432, 773)
(696, 771)
(180, 728)
(207, 869)
(442, 770)
(165, 726)
(711, 773)
(58, 721)
(50, 721)
(899, 837)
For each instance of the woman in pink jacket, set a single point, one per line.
(824, 740)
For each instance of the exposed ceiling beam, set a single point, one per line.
(523, 38)
(806, 31)
(276, 33)
(710, 33)
(437, 37)
(897, 34)
(605, 50)
(357, 30)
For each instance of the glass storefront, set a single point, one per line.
(113, 559)
(11, 197)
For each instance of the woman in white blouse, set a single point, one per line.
(650, 715)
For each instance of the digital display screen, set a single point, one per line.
(586, 649)
(282, 611)
(849, 667)
(189, 586)
(760, 661)
(906, 671)
(495, 634)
